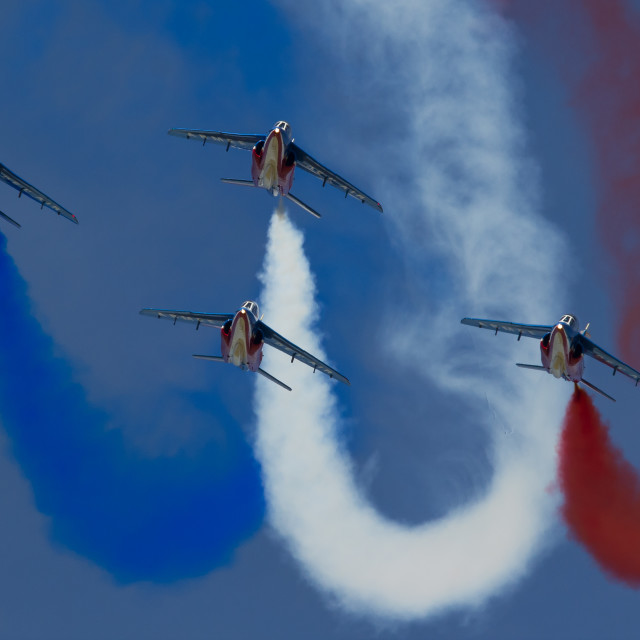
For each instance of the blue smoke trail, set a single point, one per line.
(157, 519)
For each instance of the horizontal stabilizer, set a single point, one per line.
(212, 358)
(242, 183)
(268, 376)
(304, 206)
(594, 388)
(538, 367)
(11, 220)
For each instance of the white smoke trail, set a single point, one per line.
(464, 197)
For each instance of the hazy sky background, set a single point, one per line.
(90, 90)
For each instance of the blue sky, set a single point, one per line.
(92, 89)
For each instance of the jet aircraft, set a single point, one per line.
(242, 336)
(562, 348)
(6, 175)
(274, 159)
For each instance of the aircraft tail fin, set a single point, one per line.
(268, 376)
(211, 358)
(11, 220)
(594, 388)
(537, 367)
(302, 205)
(242, 183)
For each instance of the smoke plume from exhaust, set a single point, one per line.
(601, 491)
(368, 563)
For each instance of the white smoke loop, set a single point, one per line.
(464, 197)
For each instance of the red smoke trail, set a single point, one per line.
(601, 490)
(595, 45)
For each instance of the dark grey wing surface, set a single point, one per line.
(238, 140)
(208, 319)
(23, 187)
(593, 350)
(309, 164)
(276, 341)
(527, 330)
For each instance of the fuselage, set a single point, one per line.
(240, 341)
(561, 353)
(273, 162)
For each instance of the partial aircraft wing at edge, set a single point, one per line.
(276, 341)
(528, 330)
(4, 216)
(312, 166)
(593, 350)
(238, 140)
(208, 319)
(23, 187)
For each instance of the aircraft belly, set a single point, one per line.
(558, 365)
(268, 178)
(238, 347)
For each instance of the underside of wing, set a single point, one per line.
(24, 188)
(593, 350)
(208, 319)
(276, 341)
(309, 164)
(238, 140)
(527, 330)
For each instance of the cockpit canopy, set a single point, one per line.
(252, 306)
(285, 131)
(572, 321)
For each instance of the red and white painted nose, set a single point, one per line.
(238, 346)
(272, 156)
(559, 348)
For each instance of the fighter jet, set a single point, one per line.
(242, 336)
(562, 348)
(274, 159)
(6, 175)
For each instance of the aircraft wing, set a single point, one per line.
(528, 330)
(275, 340)
(6, 175)
(601, 355)
(238, 140)
(209, 319)
(306, 162)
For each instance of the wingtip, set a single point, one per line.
(10, 220)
